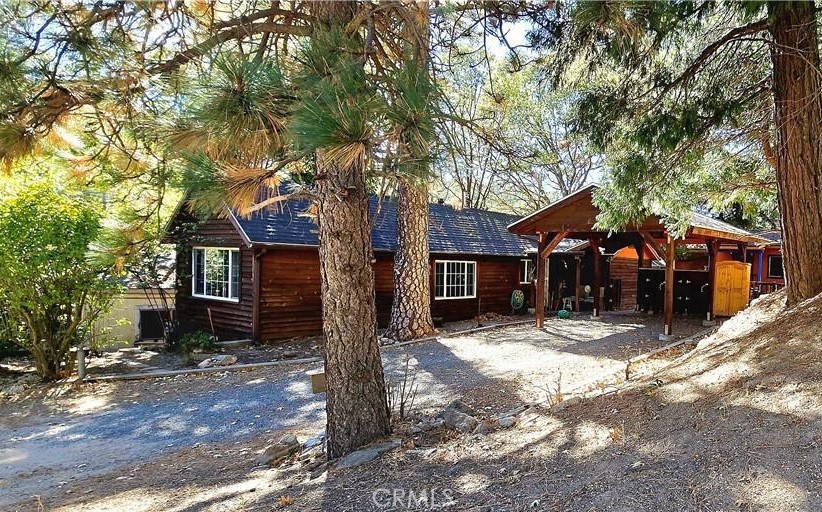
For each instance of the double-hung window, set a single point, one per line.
(455, 279)
(215, 273)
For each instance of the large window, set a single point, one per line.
(526, 271)
(455, 279)
(215, 273)
(775, 268)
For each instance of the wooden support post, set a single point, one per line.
(597, 277)
(539, 306)
(578, 282)
(640, 252)
(713, 249)
(670, 265)
(544, 250)
(743, 251)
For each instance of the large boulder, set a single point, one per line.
(460, 406)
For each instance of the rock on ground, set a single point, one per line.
(276, 453)
(221, 360)
(367, 454)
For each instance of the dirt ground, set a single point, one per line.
(132, 360)
(733, 425)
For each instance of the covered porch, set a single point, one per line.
(695, 291)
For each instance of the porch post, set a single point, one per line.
(577, 260)
(545, 249)
(640, 253)
(670, 263)
(713, 248)
(539, 305)
(597, 277)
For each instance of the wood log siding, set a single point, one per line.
(231, 320)
(624, 268)
(497, 277)
(290, 303)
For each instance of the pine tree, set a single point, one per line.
(662, 102)
(411, 120)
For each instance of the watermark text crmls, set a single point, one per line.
(428, 498)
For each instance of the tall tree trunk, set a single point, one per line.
(356, 403)
(411, 309)
(798, 117)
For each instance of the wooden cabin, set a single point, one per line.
(259, 277)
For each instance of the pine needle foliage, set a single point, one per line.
(410, 117)
(337, 105)
(672, 93)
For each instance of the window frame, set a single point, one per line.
(771, 276)
(232, 251)
(445, 278)
(529, 270)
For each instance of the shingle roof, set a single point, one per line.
(451, 231)
(774, 235)
(707, 222)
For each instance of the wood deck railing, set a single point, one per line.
(761, 288)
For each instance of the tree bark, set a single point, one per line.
(411, 309)
(356, 402)
(798, 117)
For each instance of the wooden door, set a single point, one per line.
(732, 287)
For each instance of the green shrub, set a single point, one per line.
(201, 341)
(49, 282)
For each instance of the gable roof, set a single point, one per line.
(450, 231)
(577, 213)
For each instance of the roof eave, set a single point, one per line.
(514, 227)
(236, 223)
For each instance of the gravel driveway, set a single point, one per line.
(109, 427)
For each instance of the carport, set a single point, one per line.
(574, 216)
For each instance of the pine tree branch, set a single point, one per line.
(239, 31)
(711, 49)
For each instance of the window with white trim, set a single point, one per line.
(775, 268)
(455, 279)
(215, 273)
(526, 271)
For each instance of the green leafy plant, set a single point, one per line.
(197, 341)
(50, 282)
